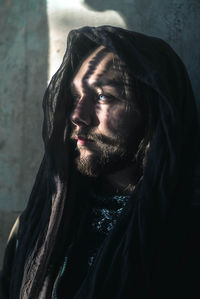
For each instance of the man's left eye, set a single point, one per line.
(104, 97)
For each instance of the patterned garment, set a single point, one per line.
(103, 217)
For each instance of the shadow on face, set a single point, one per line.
(108, 124)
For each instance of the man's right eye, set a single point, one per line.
(76, 97)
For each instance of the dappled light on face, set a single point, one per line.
(107, 123)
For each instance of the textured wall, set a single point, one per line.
(32, 41)
(23, 58)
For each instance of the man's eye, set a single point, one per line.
(104, 97)
(76, 97)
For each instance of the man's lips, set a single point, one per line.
(82, 140)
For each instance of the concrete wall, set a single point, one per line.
(33, 38)
(24, 43)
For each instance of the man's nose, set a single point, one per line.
(82, 114)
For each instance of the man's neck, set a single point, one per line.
(120, 182)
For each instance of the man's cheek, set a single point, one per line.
(114, 120)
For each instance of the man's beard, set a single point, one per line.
(110, 154)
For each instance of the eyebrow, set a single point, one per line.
(73, 88)
(99, 84)
(112, 83)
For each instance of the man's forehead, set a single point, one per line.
(96, 68)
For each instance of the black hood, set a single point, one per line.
(144, 253)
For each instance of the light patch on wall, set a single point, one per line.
(64, 16)
(60, 4)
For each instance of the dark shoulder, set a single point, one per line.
(8, 261)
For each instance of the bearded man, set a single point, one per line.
(113, 212)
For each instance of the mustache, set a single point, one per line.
(94, 137)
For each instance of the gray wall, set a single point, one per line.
(32, 41)
(23, 70)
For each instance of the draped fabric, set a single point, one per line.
(147, 253)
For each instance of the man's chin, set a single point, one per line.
(93, 165)
(87, 165)
(85, 153)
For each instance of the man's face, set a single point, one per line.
(107, 122)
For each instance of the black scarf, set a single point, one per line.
(146, 255)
